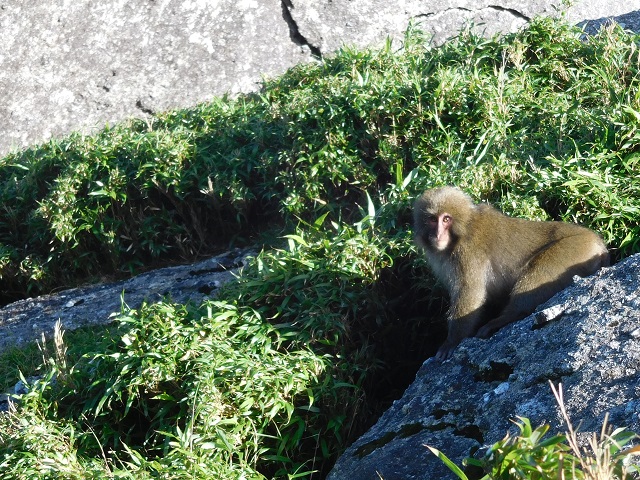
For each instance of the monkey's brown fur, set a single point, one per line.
(487, 258)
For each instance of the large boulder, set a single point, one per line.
(587, 337)
(67, 66)
(27, 320)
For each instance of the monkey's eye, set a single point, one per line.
(432, 219)
(446, 219)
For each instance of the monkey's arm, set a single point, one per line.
(465, 314)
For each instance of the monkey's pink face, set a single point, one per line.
(438, 228)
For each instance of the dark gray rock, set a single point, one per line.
(76, 66)
(588, 339)
(26, 320)
(629, 21)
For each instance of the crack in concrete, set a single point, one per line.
(443, 12)
(140, 105)
(512, 11)
(498, 8)
(294, 31)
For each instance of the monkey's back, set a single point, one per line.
(509, 244)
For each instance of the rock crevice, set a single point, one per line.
(294, 31)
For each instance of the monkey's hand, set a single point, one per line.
(446, 350)
(486, 331)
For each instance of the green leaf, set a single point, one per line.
(452, 466)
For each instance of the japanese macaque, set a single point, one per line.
(493, 264)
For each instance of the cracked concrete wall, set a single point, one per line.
(78, 65)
